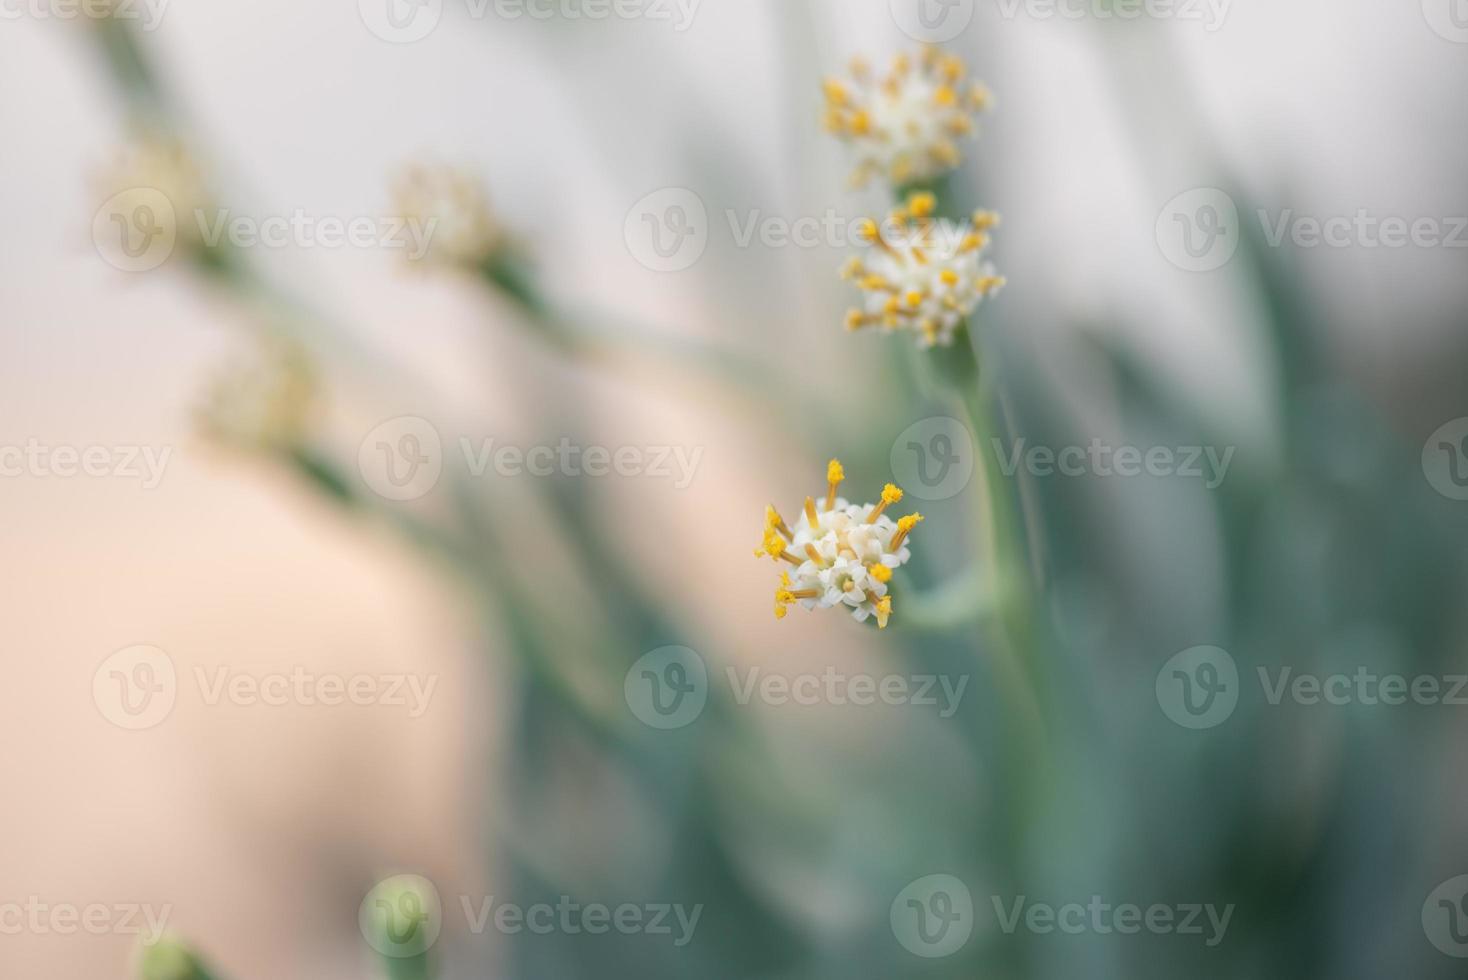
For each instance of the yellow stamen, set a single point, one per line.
(773, 520)
(884, 611)
(880, 572)
(884, 607)
(948, 277)
(836, 92)
(891, 494)
(945, 96)
(786, 596)
(972, 242)
(814, 555)
(904, 528)
(774, 546)
(871, 232)
(946, 153)
(984, 220)
(923, 204)
(834, 475)
(812, 519)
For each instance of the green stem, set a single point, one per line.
(1014, 627)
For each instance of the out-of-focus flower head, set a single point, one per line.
(840, 555)
(922, 274)
(906, 124)
(154, 176)
(451, 206)
(266, 404)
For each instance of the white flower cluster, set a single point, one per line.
(150, 165)
(924, 274)
(454, 204)
(841, 554)
(905, 124)
(265, 402)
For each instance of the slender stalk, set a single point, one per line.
(957, 371)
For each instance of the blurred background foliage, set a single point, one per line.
(1059, 778)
